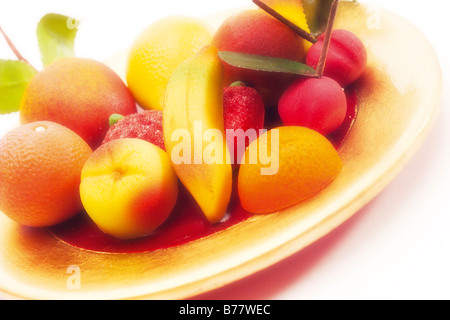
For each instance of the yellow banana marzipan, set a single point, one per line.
(194, 131)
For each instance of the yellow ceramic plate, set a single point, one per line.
(398, 100)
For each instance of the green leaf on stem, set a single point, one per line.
(264, 63)
(308, 18)
(56, 36)
(14, 78)
(317, 13)
(289, 12)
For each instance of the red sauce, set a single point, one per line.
(186, 222)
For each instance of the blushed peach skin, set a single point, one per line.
(128, 188)
(80, 94)
(256, 32)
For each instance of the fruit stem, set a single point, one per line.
(327, 39)
(238, 84)
(114, 118)
(302, 33)
(14, 49)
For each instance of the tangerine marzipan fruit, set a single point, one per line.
(40, 170)
(303, 163)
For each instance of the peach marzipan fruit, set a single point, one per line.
(254, 31)
(78, 93)
(128, 187)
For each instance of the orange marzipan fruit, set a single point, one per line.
(307, 163)
(40, 169)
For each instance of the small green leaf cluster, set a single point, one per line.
(56, 37)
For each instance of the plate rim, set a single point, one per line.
(285, 249)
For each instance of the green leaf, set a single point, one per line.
(268, 64)
(289, 12)
(293, 12)
(317, 13)
(56, 36)
(14, 77)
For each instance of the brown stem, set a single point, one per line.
(14, 49)
(327, 39)
(302, 33)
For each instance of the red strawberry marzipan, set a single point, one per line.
(145, 125)
(243, 108)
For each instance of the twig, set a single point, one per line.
(14, 49)
(327, 39)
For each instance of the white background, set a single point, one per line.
(397, 247)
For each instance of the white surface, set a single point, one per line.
(397, 247)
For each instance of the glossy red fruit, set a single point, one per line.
(346, 59)
(145, 125)
(316, 103)
(243, 109)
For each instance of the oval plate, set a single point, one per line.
(398, 102)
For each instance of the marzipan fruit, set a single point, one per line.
(194, 134)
